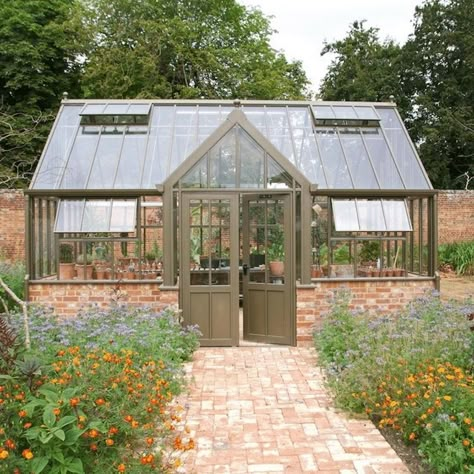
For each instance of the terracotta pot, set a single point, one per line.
(277, 268)
(66, 271)
(316, 271)
(130, 275)
(84, 272)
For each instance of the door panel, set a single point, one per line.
(268, 283)
(209, 272)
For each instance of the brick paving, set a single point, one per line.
(264, 410)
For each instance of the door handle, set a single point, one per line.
(245, 268)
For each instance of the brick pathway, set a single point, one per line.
(264, 410)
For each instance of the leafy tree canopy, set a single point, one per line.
(184, 49)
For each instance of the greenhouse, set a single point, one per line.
(230, 208)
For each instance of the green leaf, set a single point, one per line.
(50, 395)
(58, 456)
(44, 437)
(65, 420)
(49, 418)
(38, 464)
(59, 434)
(72, 435)
(75, 465)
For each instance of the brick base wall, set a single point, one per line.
(12, 225)
(389, 296)
(67, 299)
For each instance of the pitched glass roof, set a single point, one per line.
(335, 145)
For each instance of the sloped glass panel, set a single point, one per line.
(93, 109)
(252, 162)
(130, 166)
(223, 162)
(309, 161)
(256, 116)
(52, 165)
(69, 216)
(124, 215)
(345, 215)
(96, 216)
(81, 159)
(186, 116)
(396, 215)
(197, 176)
(184, 142)
(116, 109)
(358, 161)
(276, 117)
(323, 112)
(163, 115)
(407, 161)
(277, 177)
(105, 162)
(366, 112)
(139, 109)
(382, 159)
(209, 117)
(371, 217)
(344, 112)
(157, 160)
(282, 140)
(299, 117)
(333, 160)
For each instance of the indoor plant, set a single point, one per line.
(66, 264)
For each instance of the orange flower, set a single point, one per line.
(93, 433)
(466, 442)
(99, 402)
(4, 454)
(121, 468)
(412, 436)
(57, 411)
(468, 421)
(135, 424)
(149, 441)
(113, 430)
(9, 444)
(93, 447)
(22, 413)
(472, 450)
(74, 402)
(109, 442)
(27, 454)
(27, 425)
(129, 418)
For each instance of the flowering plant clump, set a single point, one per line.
(106, 408)
(411, 372)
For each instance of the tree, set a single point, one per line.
(439, 61)
(364, 68)
(184, 49)
(38, 62)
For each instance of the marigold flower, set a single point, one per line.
(27, 425)
(57, 411)
(121, 468)
(109, 442)
(93, 433)
(472, 450)
(113, 430)
(466, 442)
(9, 444)
(99, 402)
(412, 436)
(448, 398)
(27, 454)
(22, 413)
(93, 447)
(4, 454)
(74, 402)
(468, 421)
(149, 441)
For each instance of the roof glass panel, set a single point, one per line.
(344, 112)
(366, 112)
(345, 215)
(53, 163)
(93, 109)
(333, 160)
(252, 162)
(130, 167)
(358, 160)
(403, 150)
(323, 112)
(115, 109)
(256, 115)
(139, 109)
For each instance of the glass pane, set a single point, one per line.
(252, 158)
(407, 161)
(344, 112)
(367, 113)
(93, 109)
(333, 159)
(281, 138)
(50, 171)
(256, 116)
(358, 160)
(382, 160)
(131, 162)
(186, 116)
(223, 162)
(96, 216)
(396, 215)
(163, 115)
(323, 111)
(106, 161)
(277, 177)
(184, 142)
(115, 109)
(197, 176)
(69, 216)
(310, 161)
(157, 160)
(80, 160)
(345, 215)
(123, 218)
(276, 118)
(276, 253)
(371, 216)
(209, 117)
(139, 109)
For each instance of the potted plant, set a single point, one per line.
(85, 269)
(66, 263)
(276, 252)
(130, 273)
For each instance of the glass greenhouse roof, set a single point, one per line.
(137, 144)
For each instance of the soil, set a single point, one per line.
(455, 287)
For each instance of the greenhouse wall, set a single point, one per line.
(387, 296)
(68, 298)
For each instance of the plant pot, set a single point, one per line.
(375, 273)
(129, 275)
(84, 272)
(316, 271)
(277, 268)
(256, 260)
(66, 271)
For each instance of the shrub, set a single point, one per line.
(459, 255)
(13, 274)
(411, 372)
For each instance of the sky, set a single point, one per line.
(304, 25)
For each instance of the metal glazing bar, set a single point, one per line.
(40, 237)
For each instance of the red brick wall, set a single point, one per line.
(12, 225)
(388, 296)
(455, 216)
(67, 299)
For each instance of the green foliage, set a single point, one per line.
(369, 251)
(94, 405)
(13, 274)
(459, 255)
(276, 247)
(411, 372)
(66, 253)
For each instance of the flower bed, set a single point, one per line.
(412, 372)
(95, 393)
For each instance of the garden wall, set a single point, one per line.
(372, 295)
(68, 298)
(455, 216)
(12, 225)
